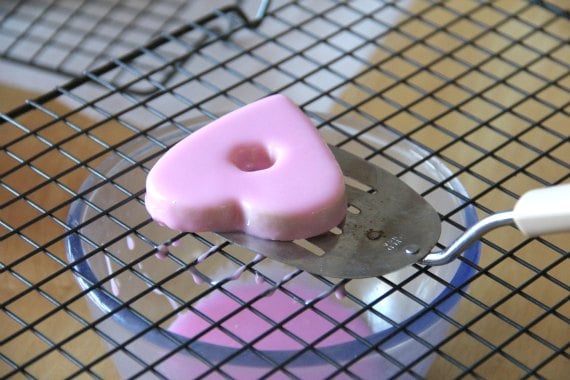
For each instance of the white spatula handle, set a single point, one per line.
(543, 211)
(537, 212)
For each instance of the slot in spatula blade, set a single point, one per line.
(388, 226)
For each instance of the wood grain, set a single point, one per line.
(33, 306)
(504, 293)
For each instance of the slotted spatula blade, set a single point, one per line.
(387, 227)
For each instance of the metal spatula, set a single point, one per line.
(389, 226)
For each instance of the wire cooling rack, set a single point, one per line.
(69, 37)
(467, 100)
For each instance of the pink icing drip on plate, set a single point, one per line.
(246, 325)
(161, 251)
(207, 254)
(196, 276)
(340, 292)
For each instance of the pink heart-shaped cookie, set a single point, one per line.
(262, 169)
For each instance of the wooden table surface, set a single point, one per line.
(485, 289)
(64, 287)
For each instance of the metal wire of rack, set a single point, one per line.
(70, 37)
(477, 88)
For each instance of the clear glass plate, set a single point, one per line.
(114, 256)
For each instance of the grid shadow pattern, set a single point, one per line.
(69, 37)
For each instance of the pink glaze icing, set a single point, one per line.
(262, 169)
(246, 325)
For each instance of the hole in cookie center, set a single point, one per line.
(251, 157)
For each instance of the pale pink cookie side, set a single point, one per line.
(262, 169)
